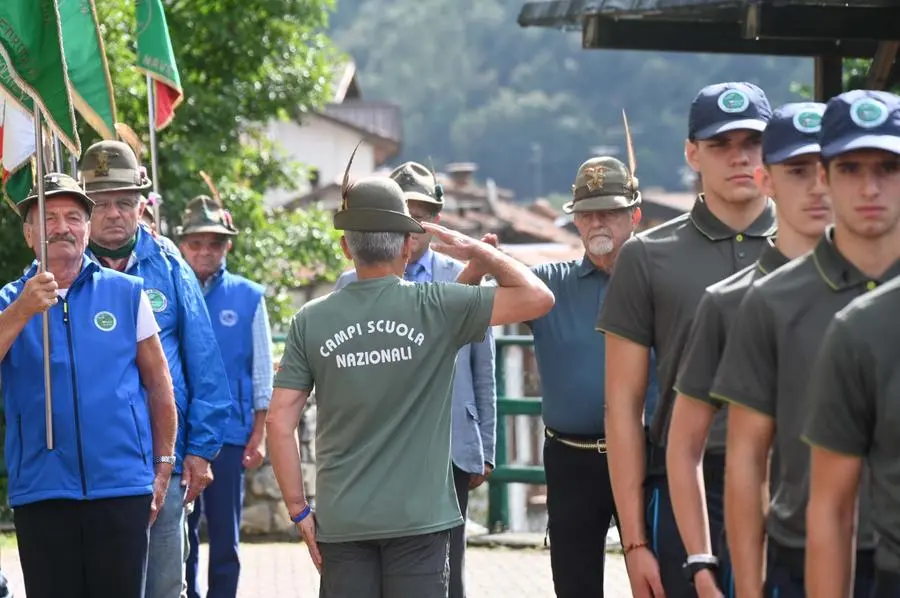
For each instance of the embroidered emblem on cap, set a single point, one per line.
(595, 176)
(158, 301)
(808, 121)
(868, 113)
(102, 167)
(105, 321)
(228, 318)
(733, 101)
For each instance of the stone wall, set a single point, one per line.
(264, 511)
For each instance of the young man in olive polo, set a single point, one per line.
(660, 277)
(851, 425)
(851, 411)
(790, 177)
(765, 369)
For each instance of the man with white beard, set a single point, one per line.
(605, 206)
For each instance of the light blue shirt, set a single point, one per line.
(421, 269)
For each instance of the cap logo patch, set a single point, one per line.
(808, 121)
(733, 101)
(228, 317)
(868, 113)
(594, 176)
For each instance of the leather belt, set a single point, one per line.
(598, 445)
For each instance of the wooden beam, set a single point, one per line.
(604, 32)
(799, 21)
(882, 65)
(829, 75)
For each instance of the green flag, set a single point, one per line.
(92, 90)
(156, 58)
(32, 66)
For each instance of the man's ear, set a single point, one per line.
(636, 216)
(691, 154)
(228, 246)
(27, 230)
(346, 248)
(763, 179)
(406, 253)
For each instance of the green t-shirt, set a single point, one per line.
(381, 354)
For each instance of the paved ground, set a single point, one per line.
(283, 570)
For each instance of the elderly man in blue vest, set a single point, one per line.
(474, 408)
(83, 507)
(241, 322)
(112, 177)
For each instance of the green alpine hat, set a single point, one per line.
(419, 184)
(375, 205)
(203, 214)
(112, 166)
(55, 184)
(603, 183)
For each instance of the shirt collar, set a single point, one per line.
(426, 261)
(837, 272)
(586, 267)
(771, 258)
(716, 230)
(215, 278)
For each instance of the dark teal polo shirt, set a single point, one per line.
(570, 354)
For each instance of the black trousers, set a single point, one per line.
(662, 530)
(84, 549)
(785, 574)
(887, 584)
(579, 508)
(458, 537)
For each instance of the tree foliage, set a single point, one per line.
(242, 63)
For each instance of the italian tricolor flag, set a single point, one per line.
(17, 151)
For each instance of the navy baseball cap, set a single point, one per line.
(792, 131)
(861, 119)
(728, 107)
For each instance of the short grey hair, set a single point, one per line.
(374, 248)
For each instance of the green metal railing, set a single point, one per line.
(504, 473)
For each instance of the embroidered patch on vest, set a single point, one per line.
(158, 301)
(105, 321)
(228, 317)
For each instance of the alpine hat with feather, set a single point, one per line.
(205, 214)
(605, 183)
(373, 204)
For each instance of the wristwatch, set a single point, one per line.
(696, 564)
(170, 459)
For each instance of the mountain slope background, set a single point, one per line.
(529, 105)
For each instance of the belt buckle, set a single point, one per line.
(601, 446)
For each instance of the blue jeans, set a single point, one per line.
(165, 564)
(221, 502)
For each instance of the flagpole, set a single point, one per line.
(151, 111)
(42, 228)
(57, 153)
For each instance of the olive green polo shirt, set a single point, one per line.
(706, 339)
(854, 404)
(767, 362)
(658, 281)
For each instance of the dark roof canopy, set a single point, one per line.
(826, 29)
(779, 27)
